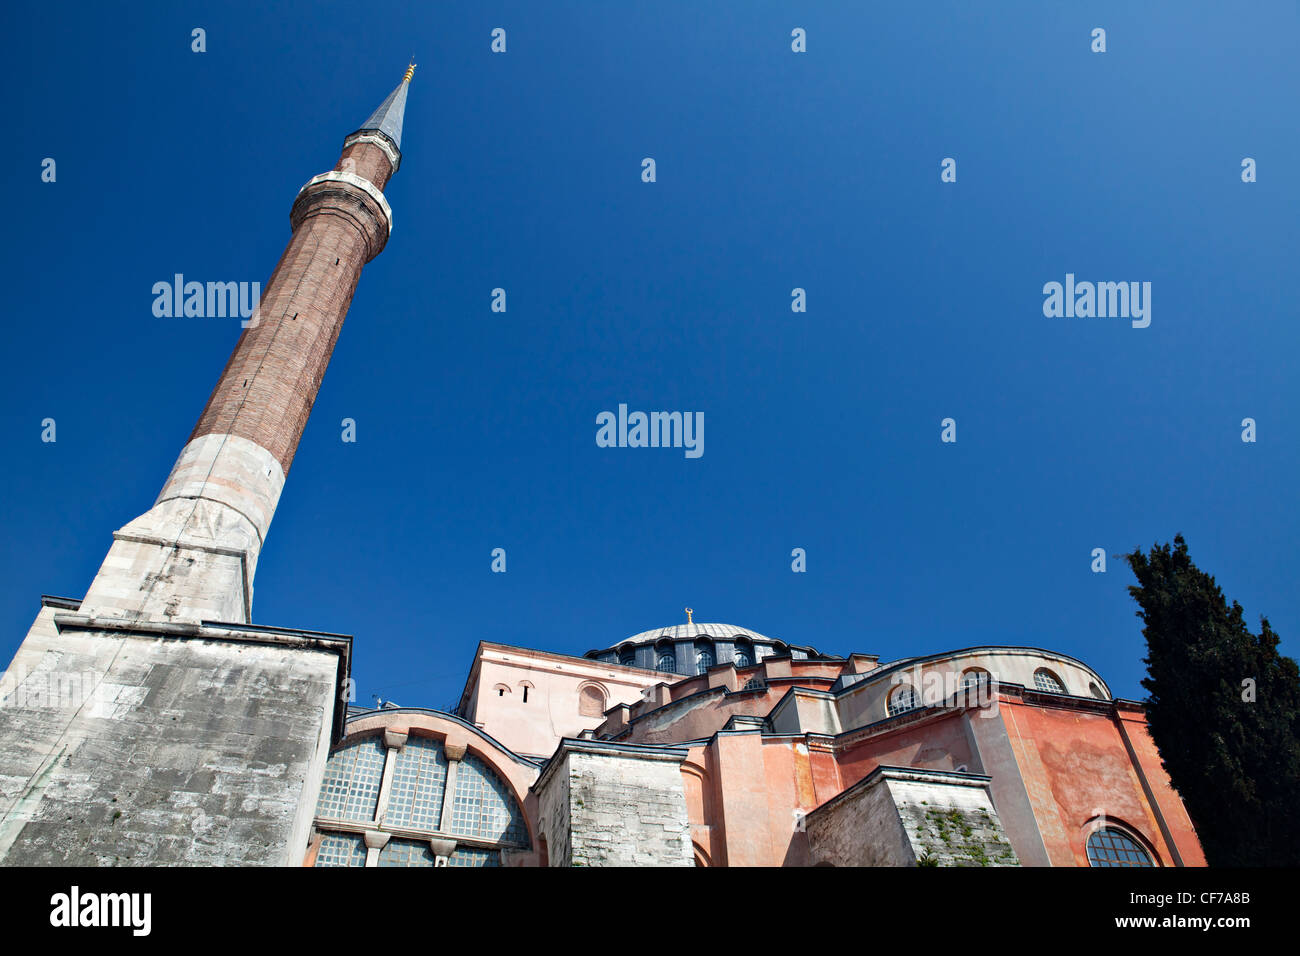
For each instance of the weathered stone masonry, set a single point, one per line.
(603, 804)
(899, 816)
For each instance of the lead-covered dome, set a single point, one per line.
(693, 648)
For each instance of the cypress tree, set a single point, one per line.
(1224, 711)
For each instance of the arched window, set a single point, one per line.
(1096, 691)
(902, 699)
(424, 793)
(703, 656)
(743, 655)
(591, 701)
(350, 790)
(524, 687)
(973, 691)
(419, 778)
(627, 658)
(665, 661)
(1110, 846)
(483, 806)
(1048, 682)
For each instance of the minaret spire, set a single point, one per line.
(192, 556)
(385, 123)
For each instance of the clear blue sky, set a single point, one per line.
(776, 170)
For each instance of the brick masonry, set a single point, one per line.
(267, 390)
(193, 556)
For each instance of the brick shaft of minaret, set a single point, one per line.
(269, 385)
(193, 555)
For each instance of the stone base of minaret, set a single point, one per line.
(192, 556)
(150, 723)
(133, 742)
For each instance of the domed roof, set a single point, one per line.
(690, 632)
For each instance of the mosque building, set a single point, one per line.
(715, 745)
(175, 731)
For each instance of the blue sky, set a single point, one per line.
(775, 170)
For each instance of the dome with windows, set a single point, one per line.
(693, 648)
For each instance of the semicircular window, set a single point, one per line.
(415, 801)
(1046, 681)
(350, 790)
(483, 806)
(902, 700)
(1112, 847)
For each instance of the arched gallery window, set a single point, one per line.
(703, 656)
(743, 656)
(903, 699)
(1046, 681)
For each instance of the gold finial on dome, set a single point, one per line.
(689, 612)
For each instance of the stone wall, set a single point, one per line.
(154, 745)
(902, 817)
(612, 805)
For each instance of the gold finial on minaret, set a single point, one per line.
(410, 72)
(689, 612)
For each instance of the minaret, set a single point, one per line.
(193, 555)
(152, 722)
